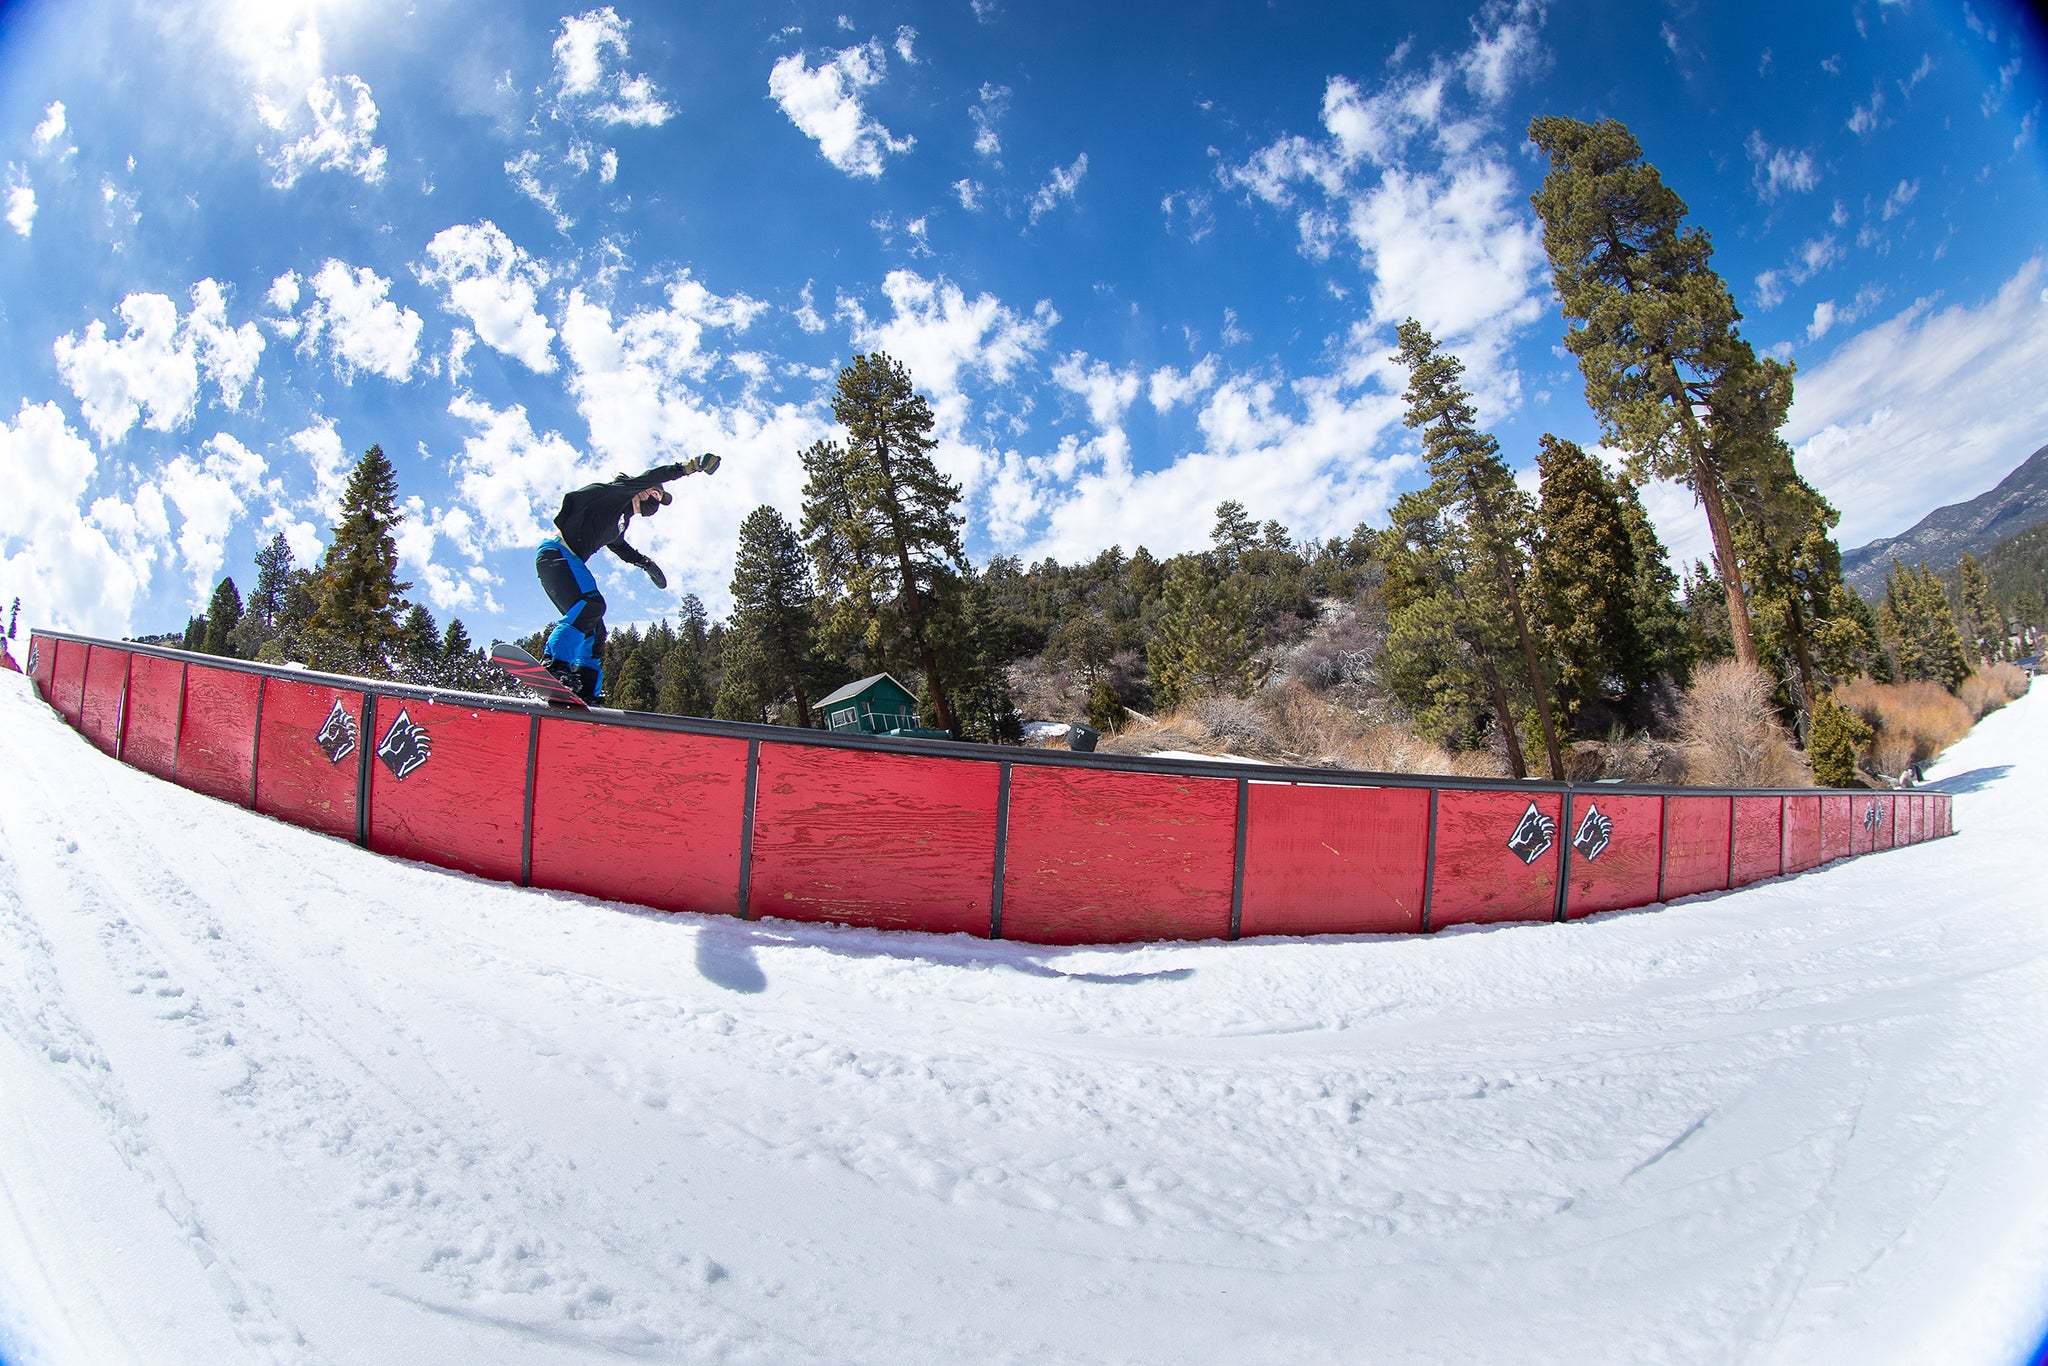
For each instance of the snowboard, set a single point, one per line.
(531, 673)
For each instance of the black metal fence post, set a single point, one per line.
(995, 900)
(746, 908)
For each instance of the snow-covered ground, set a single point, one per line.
(265, 1096)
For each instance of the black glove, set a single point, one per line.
(654, 572)
(706, 463)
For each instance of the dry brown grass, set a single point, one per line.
(1914, 721)
(1295, 725)
(1731, 734)
(1992, 687)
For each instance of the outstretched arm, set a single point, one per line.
(636, 559)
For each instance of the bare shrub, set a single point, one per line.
(1045, 691)
(1914, 721)
(1237, 724)
(1731, 735)
(1991, 687)
(1180, 731)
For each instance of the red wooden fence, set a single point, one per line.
(1033, 845)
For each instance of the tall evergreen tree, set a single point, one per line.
(223, 614)
(1983, 629)
(1201, 647)
(355, 625)
(774, 603)
(743, 691)
(265, 605)
(1585, 580)
(195, 635)
(634, 690)
(1837, 735)
(880, 520)
(462, 663)
(1669, 376)
(683, 688)
(1656, 608)
(417, 656)
(1489, 523)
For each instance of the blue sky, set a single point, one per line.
(1140, 262)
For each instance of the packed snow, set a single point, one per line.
(265, 1096)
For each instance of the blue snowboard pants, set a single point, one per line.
(578, 638)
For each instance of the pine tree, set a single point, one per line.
(976, 650)
(880, 520)
(462, 664)
(634, 690)
(195, 635)
(1837, 735)
(1918, 630)
(1655, 605)
(1234, 533)
(264, 607)
(683, 689)
(1105, 709)
(1585, 581)
(355, 627)
(1667, 373)
(1201, 647)
(223, 614)
(417, 655)
(774, 603)
(1488, 524)
(1983, 629)
(742, 696)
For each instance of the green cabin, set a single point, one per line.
(876, 705)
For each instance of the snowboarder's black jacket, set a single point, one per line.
(594, 517)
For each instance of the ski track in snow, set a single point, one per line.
(267, 1097)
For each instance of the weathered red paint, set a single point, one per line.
(465, 807)
(217, 745)
(67, 685)
(153, 688)
(890, 841)
(106, 683)
(1625, 872)
(1802, 833)
(1480, 880)
(642, 816)
(295, 780)
(1836, 820)
(1334, 860)
(1888, 825)
(1102, 858)
(1696, 852)
(1759, 839)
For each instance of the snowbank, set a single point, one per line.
(266, 1096)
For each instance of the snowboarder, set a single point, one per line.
(594, 518)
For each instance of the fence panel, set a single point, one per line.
(1105, 858)
(1802, 833)
(309, 757)
(154, 689)
(1496, 857)
(1945, 815)
(217, 739)
(1837, 818)
(1909, 823)
(1613, 853)
(42, 665)
(1759, 838)
(889, 841)
(1334, 860)
(1696, 846)
(649, 817)
(448, 786)
(106, 684)
(1888, 821)
(67, 685)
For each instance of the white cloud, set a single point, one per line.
(21, 209)
(524, 171)
(585, 84)
(608, 166)
(987, 112)
(363, 328)
(969, 193)
(510, 477)
(1065, 182)
(341, 136)
(51, 127)
(939, 334)
(1506, 51)
(906, 44)
(806, 313)
(209, 494)
(486, 278)
(1896, 202)
(153, 372)
(1779, 169)
(824, 103)
(321, 445)
(1823, 319)
(63, 561)
(1865, 117)
(1927, 407)
(1433, 208)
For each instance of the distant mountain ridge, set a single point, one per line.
(1945, 535)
